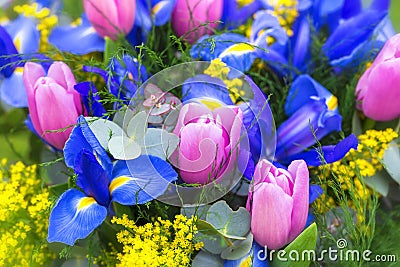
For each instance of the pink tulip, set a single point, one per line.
(278, 203)
(111, 17)
(52, 101)
(378, 90)
(208, 142)
(188, 15)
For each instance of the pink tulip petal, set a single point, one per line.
(103, 15)
(299, 170)
(188, 113)
(381, 100)
(261, 171)
(126, 14)
(62, 74)
(32, 72)
(271, 217)
(60, 114)
(188, 15)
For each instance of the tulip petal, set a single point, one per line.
(140, 180)
(63, 76)
(270, 200)
(298, 169)
(32, 72)
(49, 117)
(12, 90)
(74, 217)
(380, 100)
(92, 178)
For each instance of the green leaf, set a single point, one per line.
(391, 161)
(206, 259)
(379, 182)
(231, 224)
(238, 249)
(110, 50)
(305, 242)
(74, 8)
(213, 241)
(58, 190)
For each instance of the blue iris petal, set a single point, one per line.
(315, 192)
(140, 180)
(74, 217)
(257, 256)
(83, 138)
(161, 11)
(233, 16)
(7, 54)
(330, 153)
(296, 133)
(204, 86)
(352, 8)
(302, 89)
(12, 90)
(25, 34)
(300, 43)
(210, 47)
(352, 33)
(90, 98)
(92, 178)
(86, 39)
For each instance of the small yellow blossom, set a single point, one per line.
(363, 162)
(161, 243)
(23, 216)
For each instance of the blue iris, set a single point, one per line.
(19, 40)
(79, 211)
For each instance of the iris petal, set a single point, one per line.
(331, 153)
(92, 178)
(74, 217)
(83, 138)
(12, 90)
(204, 87)
(140, 180)
(86, 39)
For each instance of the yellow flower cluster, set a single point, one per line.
(363, 162)
(46, 21)
(286, 12)
(219, 69)
(24, 210)
(162, 243)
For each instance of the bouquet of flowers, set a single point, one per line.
(199, 133)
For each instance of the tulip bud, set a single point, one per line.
(208, 142)
(52, 101)
(278, 203)
(111, 17)
(189, 15)
(378, 90)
